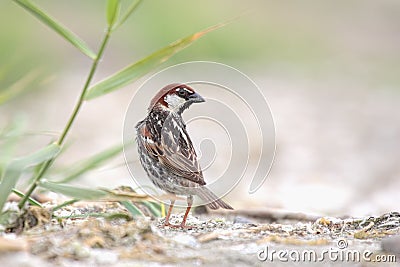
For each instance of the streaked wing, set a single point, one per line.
(146, 140)
(179, 155)
(175, 152)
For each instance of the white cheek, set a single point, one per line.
(174, 101)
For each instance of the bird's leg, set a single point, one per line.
(183, 224)
(189, 202)
(171, 205)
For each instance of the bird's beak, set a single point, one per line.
(196, 98)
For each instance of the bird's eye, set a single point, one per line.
(182, 92)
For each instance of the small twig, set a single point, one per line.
(270, 214)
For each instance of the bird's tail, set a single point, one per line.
(214, 202)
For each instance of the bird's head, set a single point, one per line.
(175, 98)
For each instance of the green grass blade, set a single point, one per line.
(127, 14)
(9, 138)
(8, 182)
(144, 66)
(73, 191)
(16, 167)
(38, 157)
(113, 7)
(19, 87)
(154, 208)
(106, 216)
(57, 27)
(91, 163)
(135, 211)
(31, 200)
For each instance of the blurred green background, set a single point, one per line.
(330, 70)
(357, 38)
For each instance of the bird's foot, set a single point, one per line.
(182, 225)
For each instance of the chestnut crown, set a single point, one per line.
(175, 97)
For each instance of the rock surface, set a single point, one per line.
(213, 240)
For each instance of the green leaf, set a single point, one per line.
(9, 138)
(56, 26)
(17, 166)
(113, 7)
(31, 200)
(91, 163)
(135, 211)
(19, 87)
(118, 215)
(154, 208)
(144, 66)
(128, 13)
(38, 157)
(73, 191)
(108, 216)
(8, 182)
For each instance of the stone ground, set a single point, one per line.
(238, 238)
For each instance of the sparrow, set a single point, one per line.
(167, 153)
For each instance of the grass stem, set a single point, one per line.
(71, 119)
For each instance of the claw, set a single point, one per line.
(182, 226)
